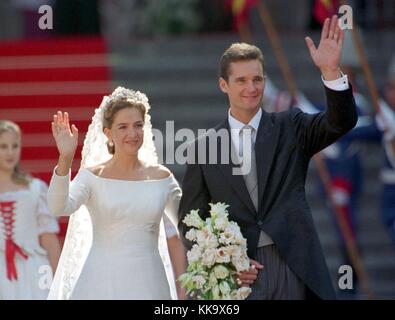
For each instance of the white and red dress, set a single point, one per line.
(24, 265)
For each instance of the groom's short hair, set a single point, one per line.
(239, 52)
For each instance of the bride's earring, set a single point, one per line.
(111, 144)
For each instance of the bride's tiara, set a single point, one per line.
(121, 93)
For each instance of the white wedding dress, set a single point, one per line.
(124, 260)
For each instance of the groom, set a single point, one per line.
(269, 202)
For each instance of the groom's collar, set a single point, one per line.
(265, 125)
(235, 124)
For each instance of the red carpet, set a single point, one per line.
(38, 78)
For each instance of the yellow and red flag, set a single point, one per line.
(240, 10)
(323, 9)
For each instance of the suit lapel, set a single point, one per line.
(264, 150)
(235, 181)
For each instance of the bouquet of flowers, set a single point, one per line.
(219, 253)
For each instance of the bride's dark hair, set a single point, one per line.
(112, 110)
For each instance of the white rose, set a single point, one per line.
(193, 219)
(234, 251)
(194, 254)
(221, 223)
(223, 256)
(227, 237)
(199, 281)
(209, 257)
(207, 230)
(206, 239)
(191, 235)
(200, 238)
(212, 242)
(243, 293)
(233, 228)
(239, 239)
(221, 272)
(219, 210)
(233, 235)
(241, 263)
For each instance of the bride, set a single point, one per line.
(116, 203)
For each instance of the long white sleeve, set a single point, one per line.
(173, 201)
(170, 228)
(64, 197)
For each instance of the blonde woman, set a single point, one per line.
(29, 247)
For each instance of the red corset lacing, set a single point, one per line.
(11, 248)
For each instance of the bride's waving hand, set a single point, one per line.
(66, 139)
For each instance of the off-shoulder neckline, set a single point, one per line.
(123, 180)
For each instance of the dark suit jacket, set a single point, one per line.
(285, 143)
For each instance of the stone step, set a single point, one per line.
(141, 60)
(212, 44)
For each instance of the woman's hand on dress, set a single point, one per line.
(66, 137)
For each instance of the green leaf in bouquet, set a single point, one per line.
(224, 288)
(220, 271)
